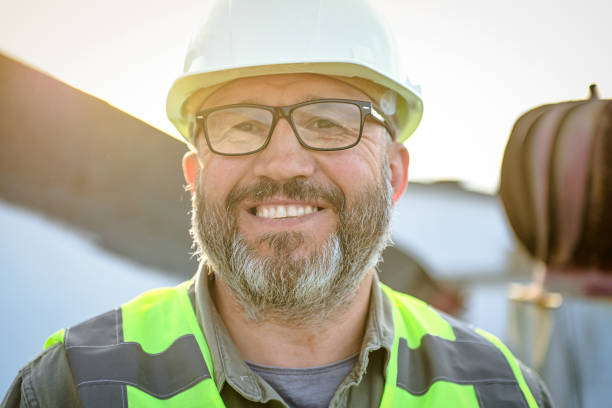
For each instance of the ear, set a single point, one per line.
(398, 167)
(191, 166)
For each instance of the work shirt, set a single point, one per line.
(241, 387)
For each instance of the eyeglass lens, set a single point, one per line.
(322, 125)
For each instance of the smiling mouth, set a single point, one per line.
(283, 211)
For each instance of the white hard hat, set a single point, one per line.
(345, 39)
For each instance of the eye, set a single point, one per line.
(245, 126)
(323, 124)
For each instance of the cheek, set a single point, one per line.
(220, 174)
(354, 170)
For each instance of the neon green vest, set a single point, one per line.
(151, 352)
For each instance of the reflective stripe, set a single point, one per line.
(100, 331)
(455, 361)
(103, 364)
(162, 375)
(103, 396)
(470, 359)
(500, 395)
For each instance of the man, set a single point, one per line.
(294, 116)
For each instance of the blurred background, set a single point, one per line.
(92, 205)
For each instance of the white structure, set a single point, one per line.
(462, 237)
(457, 234)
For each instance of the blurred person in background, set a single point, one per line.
(294, 114)
(556, 186)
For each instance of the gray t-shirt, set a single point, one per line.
(306, 387)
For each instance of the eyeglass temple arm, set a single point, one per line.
(380, 118)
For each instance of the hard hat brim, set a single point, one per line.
(409, 110)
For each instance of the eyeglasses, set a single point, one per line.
(322, 124)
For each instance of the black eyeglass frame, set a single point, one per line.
(365, 109)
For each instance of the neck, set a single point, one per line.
(282, 343)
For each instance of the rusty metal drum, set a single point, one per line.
(556, 183)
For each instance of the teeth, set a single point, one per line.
(284, 211)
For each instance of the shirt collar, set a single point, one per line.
(228, 366)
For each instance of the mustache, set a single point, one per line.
(296, 189)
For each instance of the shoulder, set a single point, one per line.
(415, 320)
(434, 346)
(537, 387)
(141, 313)
(46, 381)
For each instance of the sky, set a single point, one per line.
(480, 63)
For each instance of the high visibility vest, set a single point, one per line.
(151, 352)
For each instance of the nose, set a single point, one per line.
(284, 158)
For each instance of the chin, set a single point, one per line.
(293, 245)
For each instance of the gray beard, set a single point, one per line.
(303, 290)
